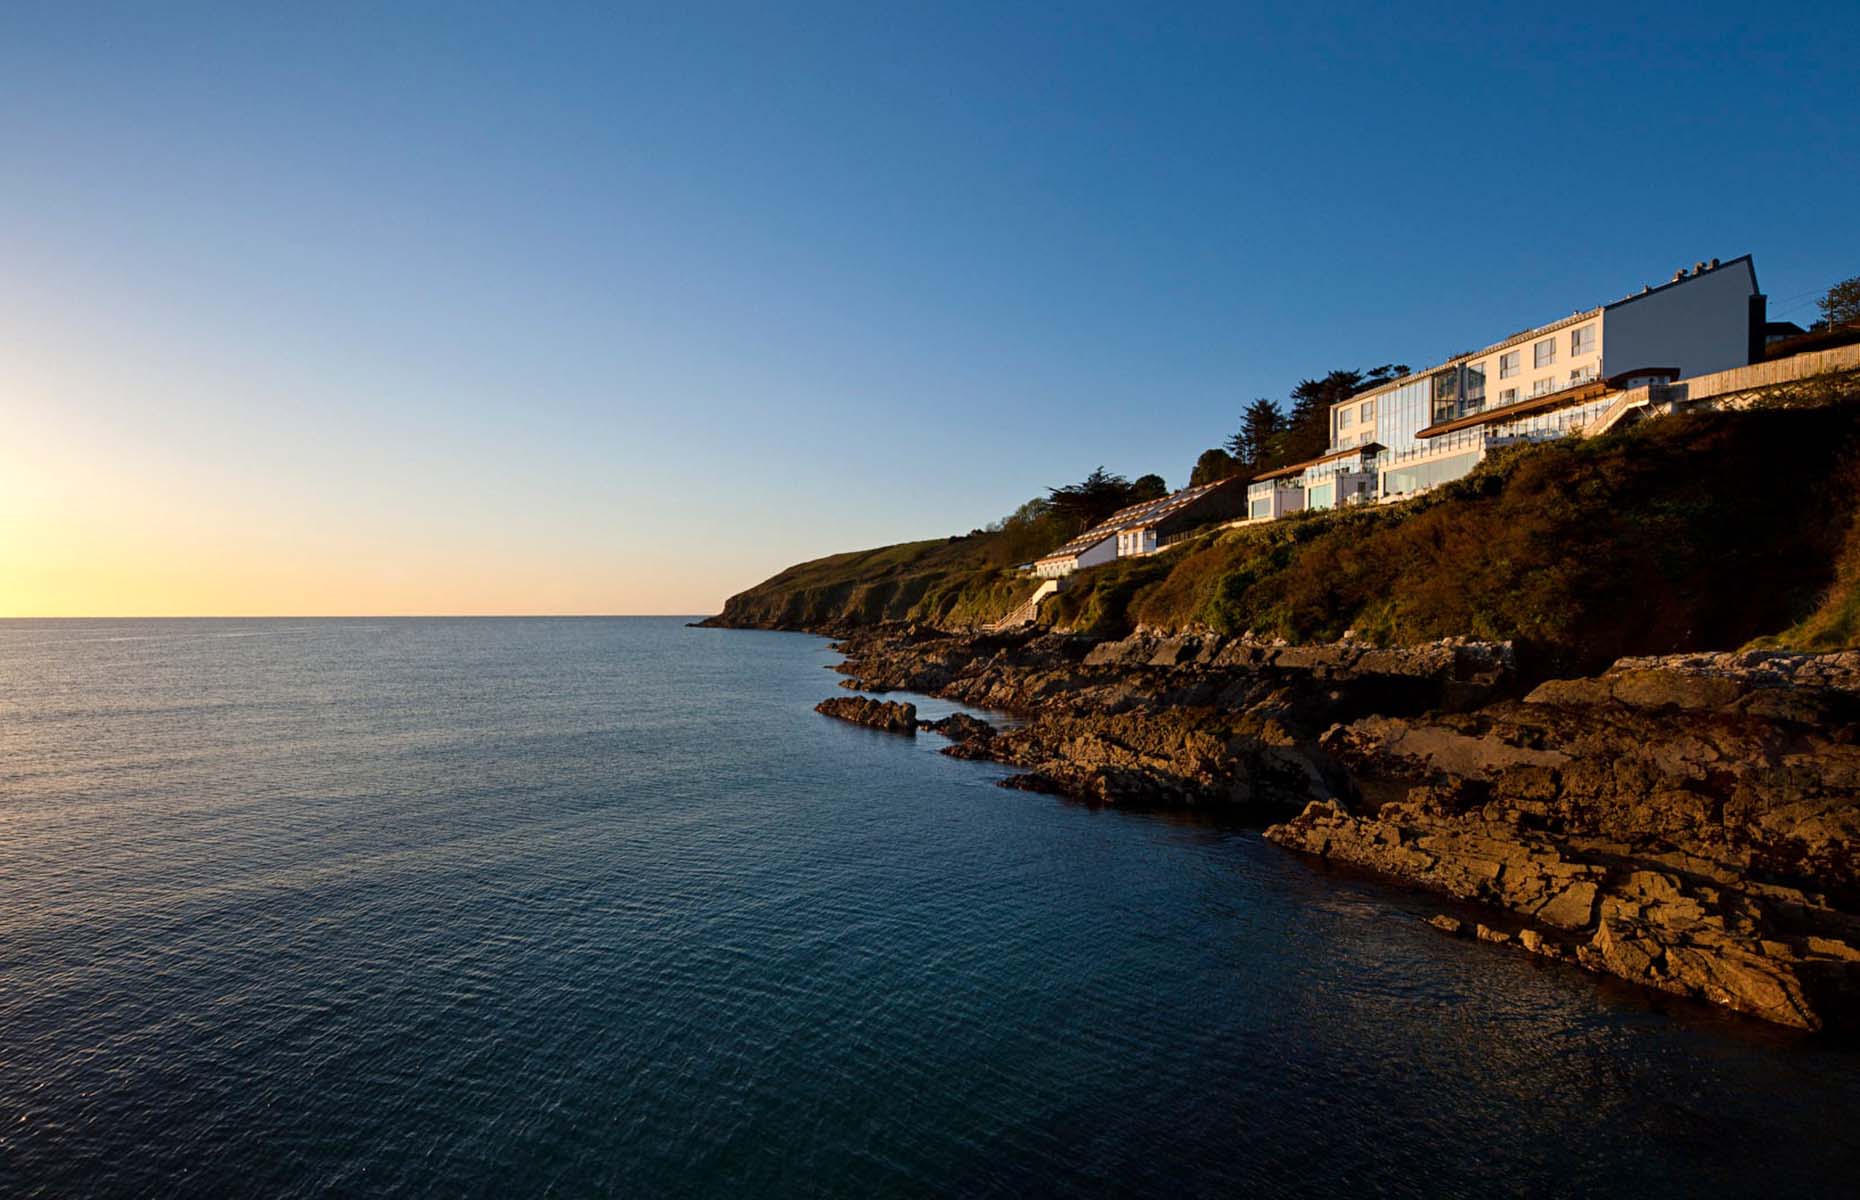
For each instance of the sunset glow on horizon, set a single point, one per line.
(366, 311)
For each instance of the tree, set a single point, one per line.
(1842, 303)
(1260, 425)
(1213, 465)
(1307, 427)
(1146, 487)
(1084, 504)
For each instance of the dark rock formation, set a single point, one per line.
(1689, 823)
(1172, 721)
(962, 729)
(888, 715)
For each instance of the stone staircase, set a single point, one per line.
(1028, 610)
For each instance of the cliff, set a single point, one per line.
(954, 582)
(1600, 689)
(1644, 541)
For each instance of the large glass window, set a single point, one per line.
(1322, 495)
(1345, 418)
(1474, 399)
(1582, 340)
(1543, 353)
(1447, 394)
(1402, 412)
(1399, 481)
(1259, 508)
(1367, 411)
(1510, 364)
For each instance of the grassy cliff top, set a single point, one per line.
(1703, 531)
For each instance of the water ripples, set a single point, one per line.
(601, 907)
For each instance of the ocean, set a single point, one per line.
(601, 907)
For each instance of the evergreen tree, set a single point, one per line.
(1215, 464)
(1841, 304)
(1146, 487)
(1260, 425)
(1084, 504)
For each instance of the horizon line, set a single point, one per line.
(354, 616)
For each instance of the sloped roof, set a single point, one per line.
(1137, 516)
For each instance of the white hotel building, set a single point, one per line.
(1420, 431)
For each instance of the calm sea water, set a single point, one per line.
(600, 906)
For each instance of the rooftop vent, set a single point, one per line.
(1698, 268)
(1679, 274)
(1713, 264)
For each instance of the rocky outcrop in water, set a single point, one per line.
(888, 715)
(1190, 720)
(1689, 823)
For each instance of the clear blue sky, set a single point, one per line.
(453, 307)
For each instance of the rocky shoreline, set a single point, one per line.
(1688, 823)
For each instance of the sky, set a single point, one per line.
(604, 308)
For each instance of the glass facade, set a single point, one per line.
(1259, 508)
(1322, 495)
(1399, 481)
(1446, 394)
(1403, 413)
(1474, 399)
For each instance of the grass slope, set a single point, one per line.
(952, 581)
(1703, 531)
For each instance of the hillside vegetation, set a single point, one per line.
(1704, 531)
(953, 581)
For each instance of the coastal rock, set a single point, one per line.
(961, 728)
(888, 715)
(1690, 824)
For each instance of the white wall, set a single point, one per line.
(1136, 542)
(1287, 500)
(1102, 551)
(1700, 325)
(1566, 368)
(1361, 414)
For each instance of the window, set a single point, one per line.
(1582, 374)
(1510, 364)
(1446, 394)
(1345, 418)
(1544, 386)
(1543, 353)
(1582, 340)
(1402, 480)
(1475, 382)
(1259, 508)
(1508, 396)
(1367, 412)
